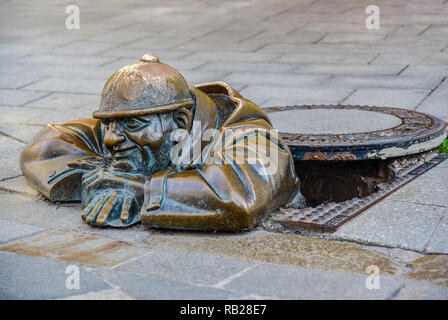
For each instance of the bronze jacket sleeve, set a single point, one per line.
(44, 160)
(245, 175)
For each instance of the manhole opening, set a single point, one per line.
(338, 191)
(338, 181)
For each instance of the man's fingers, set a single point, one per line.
(127, 202)
(107, 209)
(95, 210)
(88, 208)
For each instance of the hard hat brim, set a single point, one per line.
(142, 111)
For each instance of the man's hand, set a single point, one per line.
(111, 198)
(114, 208)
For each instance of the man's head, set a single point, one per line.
(141, 105)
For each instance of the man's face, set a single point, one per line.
(139, 144)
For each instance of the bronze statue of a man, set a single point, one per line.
(155, 152)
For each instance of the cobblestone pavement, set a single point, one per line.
(275, 53)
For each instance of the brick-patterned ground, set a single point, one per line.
(275, 53)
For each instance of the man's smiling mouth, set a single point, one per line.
(123, 153)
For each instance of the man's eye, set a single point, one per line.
(132, 123)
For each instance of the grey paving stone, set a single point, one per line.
(18, 185)
(120, 36)
(294, 54)
(46, 59)
(82, 48)
(78, 248)
(50, 39)
(196, 77)
(287, 282)
(69, 70)
(11, 231)
(439, 240)
(29, 210)
(393, 223)
(195, 28)
(279, 95)
(275, 78)
(15, 81)
(67, 100)
(24, 277)
(282, 249)
(234, 56)
(351, 69)
(19, 115)
(434, 181)
(217, 45)
(152, 287)
(74, 85)
(413, 58)
(60, 216)
(349, 37)
(409, 31)
(11, 97)
(425, 69)
(62, 115)
(136, 53)
(112, 294)
(328, 49)
(185, 266)
(9, 156)
(437, 103)
(392, 82)
(21, 132)
(282, 28)
(72, 71)
(444, 164)
(340, 26)
(183, 64)
(154, 43)
(232, 66)
(298, 37)
(388, 97)
(227, 35)
(419, 291)
(20, 49)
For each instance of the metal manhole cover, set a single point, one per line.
(344, 132)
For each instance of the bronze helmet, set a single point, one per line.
(146, 87)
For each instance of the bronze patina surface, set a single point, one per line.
(165, 153)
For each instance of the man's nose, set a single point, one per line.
(113, 136)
